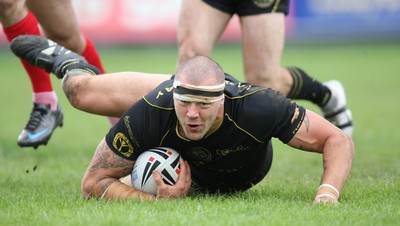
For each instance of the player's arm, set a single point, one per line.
(318, 135)
(101, 179)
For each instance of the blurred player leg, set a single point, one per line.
(199, 29)
(65, 30)
(46, 114)
(263, 37)
(262, 65)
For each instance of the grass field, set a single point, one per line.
(42, 187)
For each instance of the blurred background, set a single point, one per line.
(120, 22)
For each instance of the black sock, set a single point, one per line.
(306, 88)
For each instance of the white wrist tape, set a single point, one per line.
(331, 187)
(105, 191)
(326, 195)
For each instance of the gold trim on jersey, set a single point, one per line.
(156, 106)
(240, 128)
(276, 6)
(220, 123)
(177, 131)
(162, 139)
(247, 94)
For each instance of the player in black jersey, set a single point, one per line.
(221, 127)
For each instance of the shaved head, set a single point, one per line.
(200, 70)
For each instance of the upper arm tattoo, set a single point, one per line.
(306, 122)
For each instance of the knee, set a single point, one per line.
(279, 80)
(189, 48)
(10, 8)
(262, 77)
(74, 42)
(74, 90)
(186, 51)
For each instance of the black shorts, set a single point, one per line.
(250, 7)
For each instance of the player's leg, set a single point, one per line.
(84, 88)
(60, 24)
(262, 63)
(109, 94)
(263, 38)
(46, 114)
(199, 27)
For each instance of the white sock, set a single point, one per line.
(46, 98)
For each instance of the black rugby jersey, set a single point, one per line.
(237, 155)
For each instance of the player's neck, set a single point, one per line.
(217, 123)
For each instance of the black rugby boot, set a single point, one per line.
(46, 54)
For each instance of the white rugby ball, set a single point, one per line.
(162, 159)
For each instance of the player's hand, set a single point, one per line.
(327, 194)
(181, 187)
(320, 199)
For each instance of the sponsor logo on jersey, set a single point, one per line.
(128, 127)
(232, 150)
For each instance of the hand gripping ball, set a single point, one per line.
(162, 159)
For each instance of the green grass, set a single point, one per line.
(50, 195)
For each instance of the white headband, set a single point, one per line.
(193, 93)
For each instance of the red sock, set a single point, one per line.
(92, 56)
(40, 79)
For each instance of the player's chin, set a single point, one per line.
(195, 136)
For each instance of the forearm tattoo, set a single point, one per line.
(105, 159)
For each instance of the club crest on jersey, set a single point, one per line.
(122, 144)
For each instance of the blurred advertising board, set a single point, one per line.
(336, 20)
(132, 21)
(150, 21)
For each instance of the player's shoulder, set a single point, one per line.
(254, 101)
(237, 90)
(161, 96)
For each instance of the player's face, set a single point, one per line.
(198, 119)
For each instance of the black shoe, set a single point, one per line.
(40, 126)
(48, 55)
